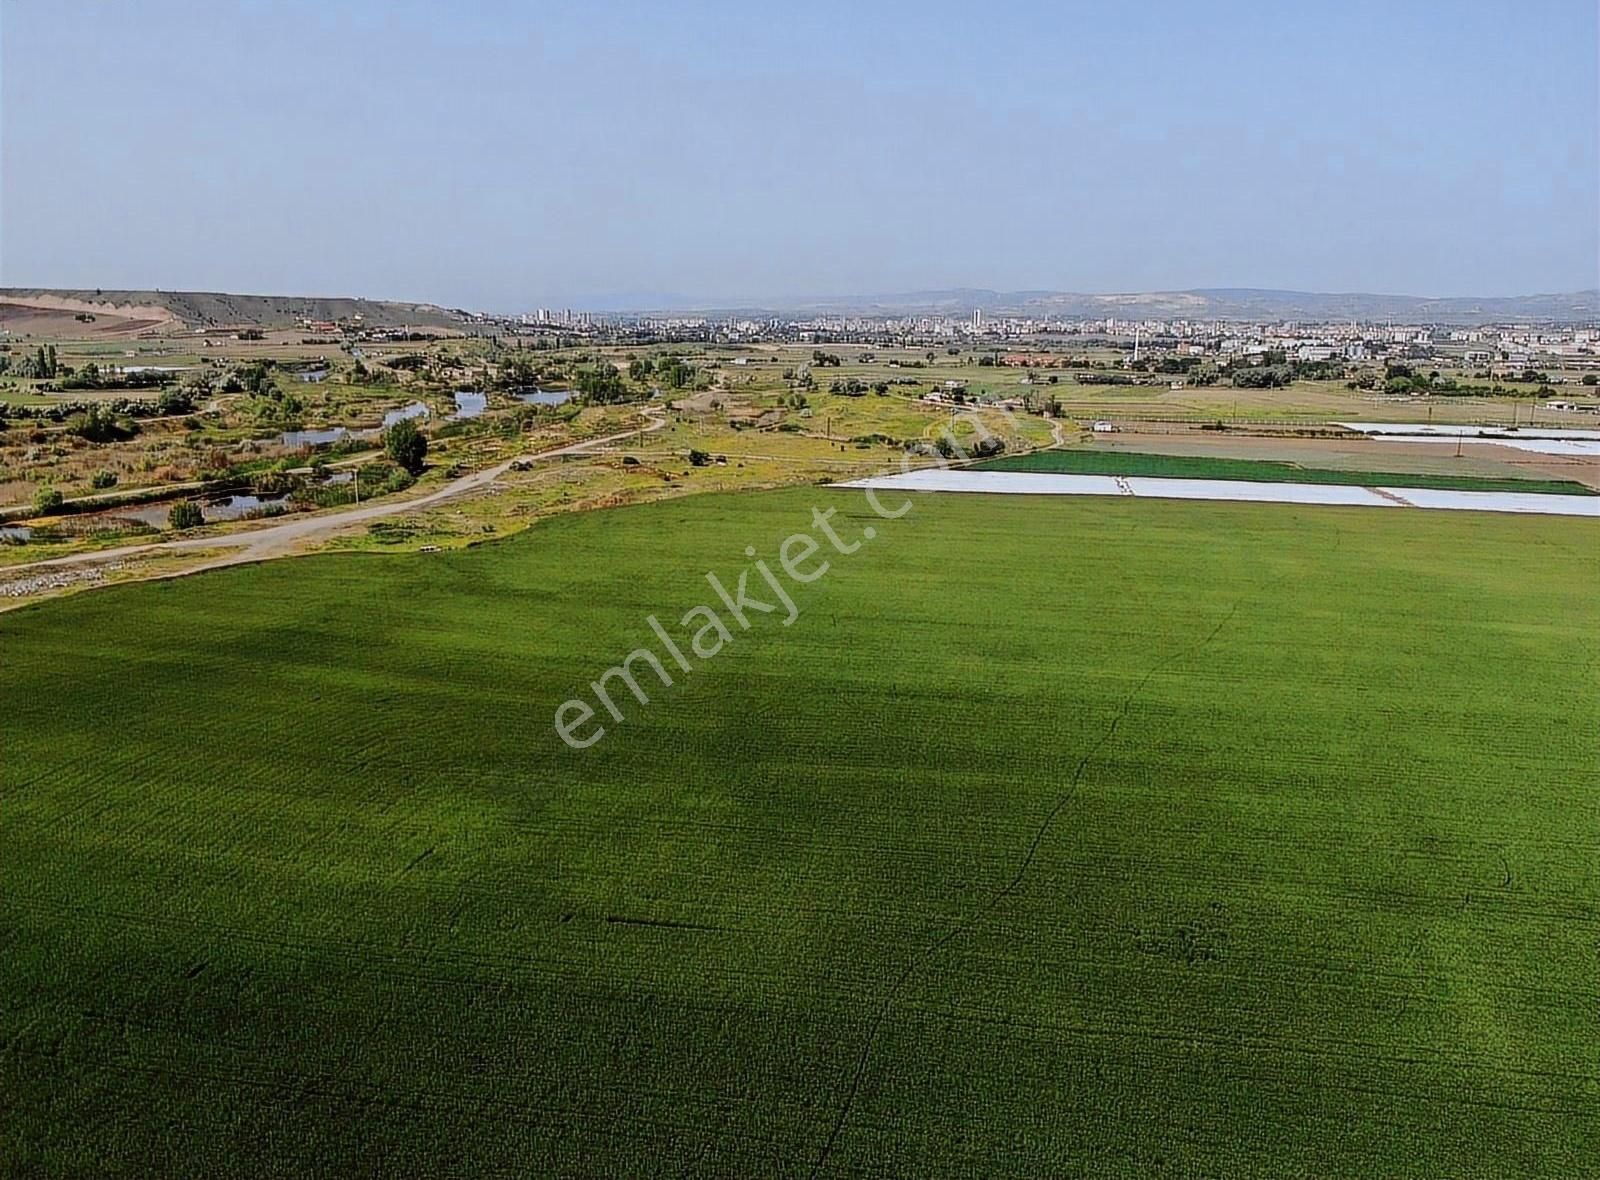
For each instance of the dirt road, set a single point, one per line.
(278, 539)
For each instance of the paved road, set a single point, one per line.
(277, 539)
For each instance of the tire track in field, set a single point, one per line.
(921, 958)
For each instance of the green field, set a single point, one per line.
(1056, 837)
(1131, 463)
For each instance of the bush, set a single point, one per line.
(100, 424)
(274, 483)
(47, 500)
(173, 402)
(103, 479)
(383, 479)
(406, 445)
(185, 514)
(699, 458)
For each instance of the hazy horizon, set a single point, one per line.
(498, 157)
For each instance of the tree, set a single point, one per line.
(88, 377)
(1274, 377)
(103, 479)
(257, 377)
(699, 458)
(601, 383)
(675, 372)
(406, 445)
(46, 500)
(185, 514)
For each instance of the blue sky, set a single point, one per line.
(504, 156)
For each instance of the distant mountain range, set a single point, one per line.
(1224, 303)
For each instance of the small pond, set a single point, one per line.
(238, 507)
(295, 439)
(469, 403)
(546, 397)
(414, 410)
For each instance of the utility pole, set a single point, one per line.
(358, 484)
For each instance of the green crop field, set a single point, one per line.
(1055, 837)
(1132, 463)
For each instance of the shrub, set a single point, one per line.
(46, 500)
(174, 401)
(383, 479)
(274, 483)
(185, 514)
(699, 458)
(100, 424)
(103, 479)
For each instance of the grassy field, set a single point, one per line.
(1053, 838)
(1079, 462)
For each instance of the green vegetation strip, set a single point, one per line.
(1133, 463)
(1053, 838)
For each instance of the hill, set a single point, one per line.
(212, 309)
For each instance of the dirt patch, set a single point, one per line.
(52, 316)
